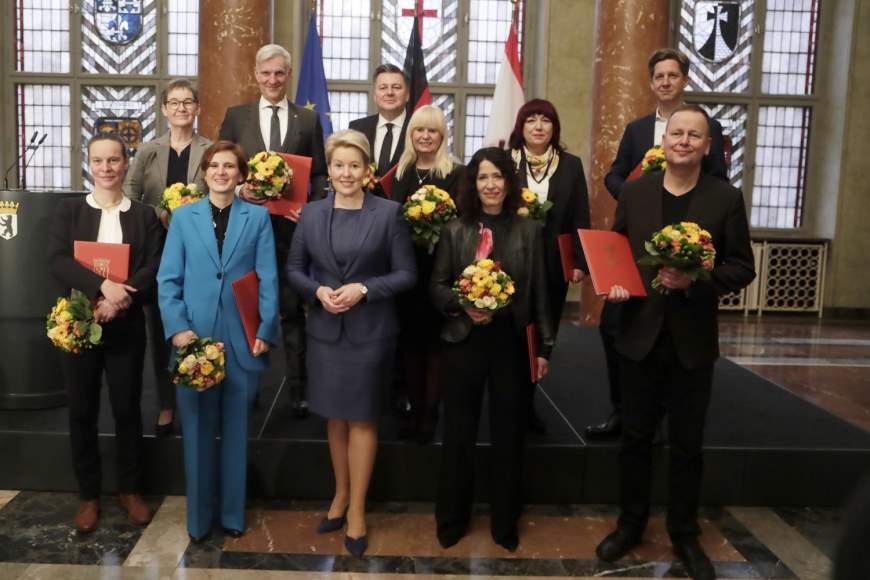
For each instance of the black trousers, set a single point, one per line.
(492, 356)
(659, 381)
(159, 357)
(608, 329)
(121, 358)
(290, 305)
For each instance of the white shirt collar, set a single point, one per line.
(264, 103)
(125, 204)
(397, 122)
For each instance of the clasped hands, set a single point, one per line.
(671, 278)
(116, 299)
(341, 299)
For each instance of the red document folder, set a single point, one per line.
(532, 340)
(610, 262)
(110, 261)
(247, 292)
(386, 182)
(636, 172)
(296, 193)
(566, 253)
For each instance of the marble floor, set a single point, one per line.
(823, 361)
(37, 542)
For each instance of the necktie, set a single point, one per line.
(275, 130)
(386, 149)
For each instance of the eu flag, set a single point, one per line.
(311, 91)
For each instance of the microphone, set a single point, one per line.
(17, 161)
(27, 162)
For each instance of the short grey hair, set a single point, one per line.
(270, 51)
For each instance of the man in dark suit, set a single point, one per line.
(668, 77)
(386, 130)
(274, 123)
(668, 343)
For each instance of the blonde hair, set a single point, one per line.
(270, 51)
(348, 138)
(428, 117)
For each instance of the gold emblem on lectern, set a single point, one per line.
(8, 219)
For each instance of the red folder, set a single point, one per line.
(386, 182)
(247, 292)
(532, 340)
(610, 262)
(110, 261)
(566, 252)
(296, 193)
(636, 172)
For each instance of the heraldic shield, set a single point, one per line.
(8, 219)
(714, 29)
(118, 21)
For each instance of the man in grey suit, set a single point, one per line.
(274, 123)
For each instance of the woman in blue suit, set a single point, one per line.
(210, 244)
(350, 256)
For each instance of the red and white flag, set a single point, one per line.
(508, 96)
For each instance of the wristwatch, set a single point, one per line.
(363, 290)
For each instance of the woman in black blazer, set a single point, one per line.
(488, 350)
(426, 160)
(547, 169)
(107, 216)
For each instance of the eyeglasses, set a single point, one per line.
(186, 103)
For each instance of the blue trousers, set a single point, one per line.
(222, 410)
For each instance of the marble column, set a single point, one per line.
(230, 33)
(626, 33)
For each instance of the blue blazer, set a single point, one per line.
(384, 263)
(194, 283)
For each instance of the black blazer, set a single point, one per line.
(304, 137)
(638, 139)
(522, 258)
(409, 184)
(73, 219)
(570, 212)
(368, 125)
(691, 315)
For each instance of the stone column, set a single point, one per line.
(230, 33)
(626, 33)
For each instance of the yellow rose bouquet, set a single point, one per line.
(200, 364)
(268, 175)
(426, 211)
(653, 160)
(371, 179)
(485, 286)
(179, 194)
(532, 207)
(70, 325)
(684, 246)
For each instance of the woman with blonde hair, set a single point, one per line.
(350, 256)
(426, 160)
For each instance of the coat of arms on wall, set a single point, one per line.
(118, 21)
(715, 28)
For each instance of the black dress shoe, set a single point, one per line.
(234, 533)
(328, 525)
(509, 542)
(697, 564)
(536, 424)
(161, 431)
(356, 546)
(612, 427)
(618, 544)
(198, 540)
(449, 537)
(299, 409)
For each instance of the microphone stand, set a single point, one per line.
(18, 161)
(27, 162)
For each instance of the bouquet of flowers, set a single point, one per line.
(200, 364)
(484, 285)
(268, 175)
(684, 246)
(179, 194)
(371, 180)
(653, 160)
(532, 207)
(70, 325)
(426, 211)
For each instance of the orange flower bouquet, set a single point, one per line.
(200, 364)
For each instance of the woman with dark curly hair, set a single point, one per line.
(488, 349)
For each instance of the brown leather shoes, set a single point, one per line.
(138, 511)
(87, 516)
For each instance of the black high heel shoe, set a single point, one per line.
(356, 546)
(161, 431)
(328, 525)
(234, 533)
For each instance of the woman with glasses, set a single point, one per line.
(171, 158)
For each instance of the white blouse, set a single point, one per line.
(110, 220)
